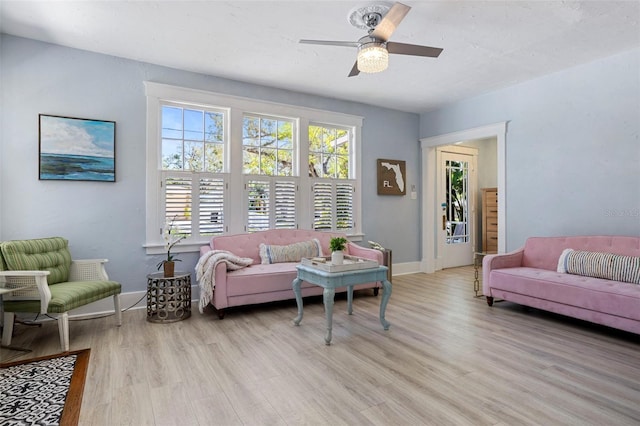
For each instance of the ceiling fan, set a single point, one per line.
(381, 20)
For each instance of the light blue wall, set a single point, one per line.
(572, 148)
(108, 219)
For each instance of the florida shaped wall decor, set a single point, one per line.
(392, 177)
(77, 149)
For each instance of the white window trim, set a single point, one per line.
(236, 107)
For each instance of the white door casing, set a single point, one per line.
(428, 147)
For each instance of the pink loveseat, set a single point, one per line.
(529, 276)
(260, 283)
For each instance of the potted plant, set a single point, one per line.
(171, 238)
(337, 245)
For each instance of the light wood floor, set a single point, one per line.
(448, 358)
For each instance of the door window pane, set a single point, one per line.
(457, 215)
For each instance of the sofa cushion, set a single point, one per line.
(67, 296)
(274, 278)
(261, 279)
(290, 253)
(43, 254)
(603, 265)
(595, 294)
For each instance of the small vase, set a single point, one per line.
(337, 257)
(169, 268)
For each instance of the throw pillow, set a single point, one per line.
(604, 265)
(562, 261)
(289, 253)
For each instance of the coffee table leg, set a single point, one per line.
(296, 290)
(328, 296)
(350, 300)
(386, 286)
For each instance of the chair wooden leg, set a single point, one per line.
(63, 328)
(7, 330)
(116, 306)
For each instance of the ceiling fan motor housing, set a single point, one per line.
(369, 16)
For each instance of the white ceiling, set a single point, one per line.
(487, 44)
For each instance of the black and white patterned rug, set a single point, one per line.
(35, 392)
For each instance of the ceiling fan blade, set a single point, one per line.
(354, 71)
(331, 43)
(413, 49)
(390, 22)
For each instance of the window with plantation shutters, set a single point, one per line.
(211, 195)
(322, 193)
(259, 208)
(195, 203)
(271, 203)
(330, 167)
(344, 206)
(219, 164)
(285, 204)
(177, 196)
(333, 205)
(268, 148)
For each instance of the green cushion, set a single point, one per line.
(3, 265)
(43, 254)
(67, 296)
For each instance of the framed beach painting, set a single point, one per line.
(77, 149)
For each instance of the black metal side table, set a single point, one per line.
(168, 298)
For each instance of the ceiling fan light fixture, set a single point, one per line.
(373, 58)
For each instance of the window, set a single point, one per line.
(268, 150)
(456, 193)
(329, 152)
(271, 203)
(330, 168)
(192, 139)
(221, 164)
(203, 194)
(267, 146)
(192, 159)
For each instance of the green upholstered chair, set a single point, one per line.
(51, 283)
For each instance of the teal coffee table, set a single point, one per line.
(332, 280)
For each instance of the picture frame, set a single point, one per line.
(392, 177)
(76, 149)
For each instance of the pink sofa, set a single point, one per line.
(267, 283)
(529, 276)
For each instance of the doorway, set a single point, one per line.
(456, 188)
(431, 218)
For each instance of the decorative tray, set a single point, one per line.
(351, 263)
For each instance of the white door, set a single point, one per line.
(456, 195)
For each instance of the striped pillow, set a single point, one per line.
(602, 265)
(291, 253)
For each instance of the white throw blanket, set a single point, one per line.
(205, 271)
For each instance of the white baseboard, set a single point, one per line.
(406, 268)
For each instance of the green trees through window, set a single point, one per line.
(195, 174)
(328, 152)
(267, 145)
